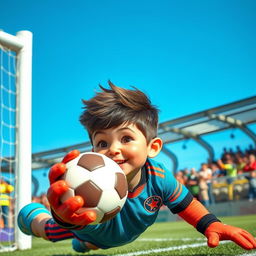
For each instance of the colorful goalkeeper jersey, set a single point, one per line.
(157, 187)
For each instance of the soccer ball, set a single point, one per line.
(99, 181)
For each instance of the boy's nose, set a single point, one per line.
(114, 149)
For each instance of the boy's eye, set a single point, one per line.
(102, 144)
(126, 139)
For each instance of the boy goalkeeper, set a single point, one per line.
(122, 124)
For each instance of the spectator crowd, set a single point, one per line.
(231, 165)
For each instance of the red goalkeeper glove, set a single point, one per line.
(206, 223)
(67, 214)
(217, 232)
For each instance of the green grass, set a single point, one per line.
(169, 235)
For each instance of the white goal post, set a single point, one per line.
(18, 158)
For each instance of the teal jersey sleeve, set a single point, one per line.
(172, 192)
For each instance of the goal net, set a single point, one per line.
(15, 136)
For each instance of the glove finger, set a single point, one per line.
(72, 212)
(241, 241)
(55, 191)
(213, 239)
(70, 156)
(56, 172)
(250, 237)
(251, 242)
(84, 218)
(70, 206)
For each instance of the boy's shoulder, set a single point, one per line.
(162, 181)
(154, 164)
(157, 169)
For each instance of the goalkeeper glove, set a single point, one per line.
(217, 232)
(206, 223)
(67, 214)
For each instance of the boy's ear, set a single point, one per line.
(154, 147)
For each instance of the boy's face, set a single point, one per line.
(125, 144)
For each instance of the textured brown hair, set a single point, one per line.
(112, 107)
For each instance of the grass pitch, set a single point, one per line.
(168, 238)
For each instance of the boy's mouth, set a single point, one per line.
(120, 161)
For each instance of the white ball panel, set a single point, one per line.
(73, 162)
(76, 175)
(109, 200)
(112, 165)
(104, 178)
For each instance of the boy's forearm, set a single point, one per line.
(198, 216)
(38, 225)
(215, 231)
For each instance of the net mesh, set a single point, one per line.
(8, 109)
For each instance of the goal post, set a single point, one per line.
(17, 159)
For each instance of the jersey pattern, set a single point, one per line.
(157, 187)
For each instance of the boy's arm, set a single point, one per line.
(66, 214)
(206, 223)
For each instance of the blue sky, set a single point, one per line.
(188, 56)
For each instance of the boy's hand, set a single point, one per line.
(59, 169)
(217, 232)
(68, 212)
